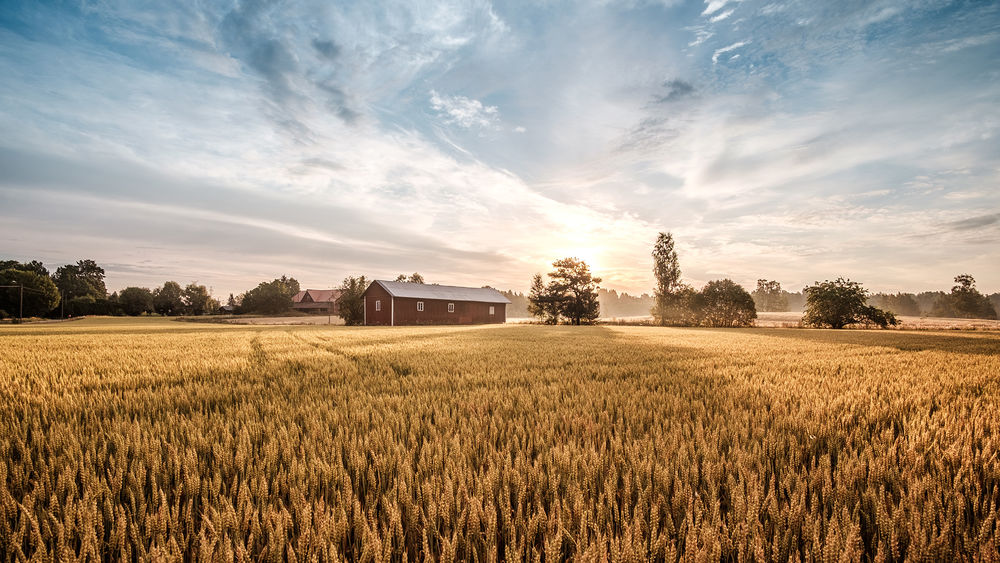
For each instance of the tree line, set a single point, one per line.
(79, 289)
(572, 295)
(964, 301)
(724, 303)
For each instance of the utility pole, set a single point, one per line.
(20, 302)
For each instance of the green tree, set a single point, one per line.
(769, 297)
(413, 278)
(687, 307)
(964, 301)
(271, 297)
(85, 278)
(725, 303)
(574, 291)
(669, 293)
(33, 266)
(39, 296)
(839, 303)
(135, 301)
(197, 300)
(169, 299)
(541, 304)
(352, 301)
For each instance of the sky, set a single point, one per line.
(475, 142)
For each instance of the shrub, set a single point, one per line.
(726, 303)
(136, 300)
(840, 303)
(351, 301)
(270, 297)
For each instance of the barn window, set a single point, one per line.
(492, 310)
(451, 307)
(420, 305)
(378, 304)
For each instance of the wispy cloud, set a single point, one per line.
(722, 16)
(713, 6)
(465, 112)
(719, 52)
(701, 35)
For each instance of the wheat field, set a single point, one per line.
(156, 440)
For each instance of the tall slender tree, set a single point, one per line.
(669, 288)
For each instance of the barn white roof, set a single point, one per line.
(442, 292)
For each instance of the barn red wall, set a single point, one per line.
(436, 312)
(373, 317)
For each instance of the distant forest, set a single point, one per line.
(618, 305)
(923, 304)
(79, 289)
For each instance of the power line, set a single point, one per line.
(20, 312)
(20, 303)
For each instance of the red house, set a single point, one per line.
(318, 301)
(389, 303)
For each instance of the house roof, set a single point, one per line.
(317, 295)
(442, 292)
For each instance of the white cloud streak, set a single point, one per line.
(726, 49)
(713, 6)
(465, 112)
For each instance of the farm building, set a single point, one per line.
(318, 301)
(403, 303)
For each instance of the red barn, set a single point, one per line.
(390, 303)
(318, 301)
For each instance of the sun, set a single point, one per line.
(590, 255)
